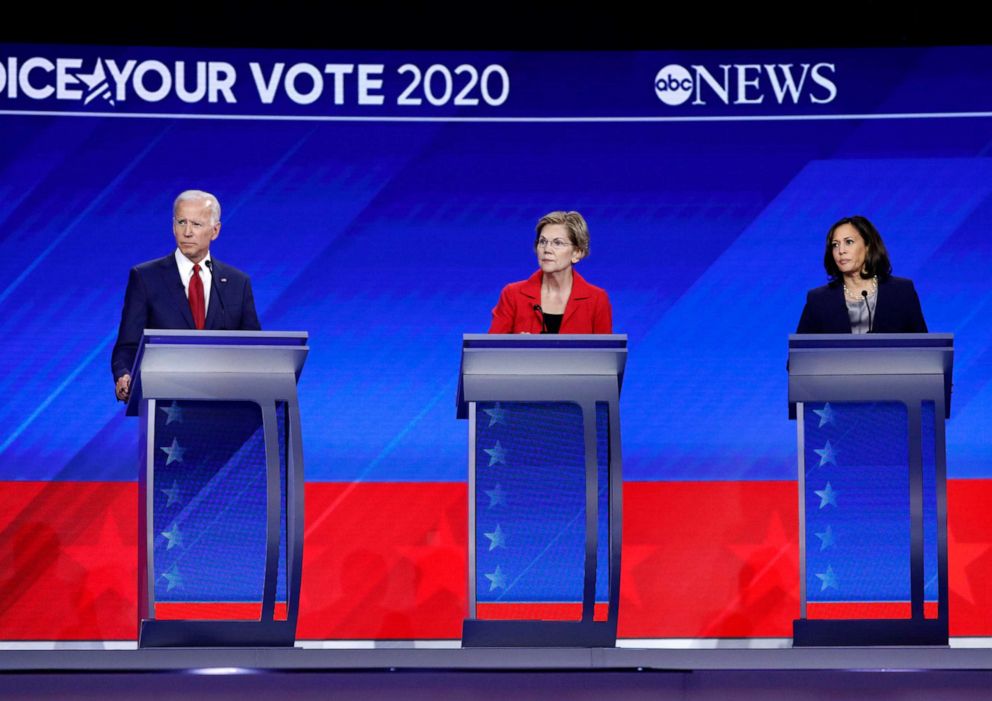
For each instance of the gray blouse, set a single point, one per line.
(858, 312)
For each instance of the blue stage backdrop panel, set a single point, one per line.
(388, 239)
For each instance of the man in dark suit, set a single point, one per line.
(186, 289)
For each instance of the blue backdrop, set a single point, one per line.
(387, 230)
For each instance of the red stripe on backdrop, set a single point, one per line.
(68, 560)
(701, 559)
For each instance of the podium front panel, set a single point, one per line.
(858, 511)
(209, 510)
(530, 510)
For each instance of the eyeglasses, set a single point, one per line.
(556, 244)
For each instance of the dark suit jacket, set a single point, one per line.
(897, 309)
(155, 299)
(588, 309)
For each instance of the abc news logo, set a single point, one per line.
(747, 84)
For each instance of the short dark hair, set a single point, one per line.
(876, 257)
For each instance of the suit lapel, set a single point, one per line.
(174, 284)
(838, 310)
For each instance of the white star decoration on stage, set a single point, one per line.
(173, 536)
(497, 539)
(497, 496)
(173, 578)
(826, 415)
(826, 538)
(173, 494)
(173, 412)
(497, 454)
(497, 415)
(174, 451)
(826, 454)
(828, 579)
(497, 580)
(828, 495)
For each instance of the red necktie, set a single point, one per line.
(196, 304)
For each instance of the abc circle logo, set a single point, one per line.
(673, 84)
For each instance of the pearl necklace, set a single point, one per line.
(856, 297)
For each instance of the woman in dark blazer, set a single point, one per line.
(555, 299)
(862, 296)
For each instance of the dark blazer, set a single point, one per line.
(155, 299)
(897, 309)
(588, 309)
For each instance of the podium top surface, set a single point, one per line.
(871, 340)
(530, 341)
(871, 354)
(521, 355)
(528, 354)
(187, 352)
(840, 358)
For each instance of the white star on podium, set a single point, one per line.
(497, 454)
(173, 412)
(828, 579)
(828, 495)
(826, 415)
(826, 454)
(497, 580)
(497, 496)
(497, 539)
(826, 538)
(174, 451)
(173, 578)
(173, 536)
(497, 415)
(173, 493)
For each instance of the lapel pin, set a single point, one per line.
(223, 279)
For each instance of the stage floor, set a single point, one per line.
(441, 656)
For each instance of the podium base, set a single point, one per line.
(868, 632)
(157, 633)
(476, 633)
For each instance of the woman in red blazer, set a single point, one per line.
(555, 299)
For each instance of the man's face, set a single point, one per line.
(194, 229)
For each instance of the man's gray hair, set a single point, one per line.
(212, 202)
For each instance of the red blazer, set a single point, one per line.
(588, 309)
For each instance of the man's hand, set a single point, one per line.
(123, 387)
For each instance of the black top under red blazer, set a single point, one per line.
(897, 309)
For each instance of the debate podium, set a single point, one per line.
(544, 488)
(220, 488)
(870, 412)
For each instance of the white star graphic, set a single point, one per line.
(173, 578)
(497, 415)
(497, 539)
(497, 496)
(828, 579)
(173, 412)
(826, 454)
(826, 415)
(497, 454)
(173, 536)
(826, 538)
(174, 451)
(497, 580)
(828, 495)
(173, 493)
